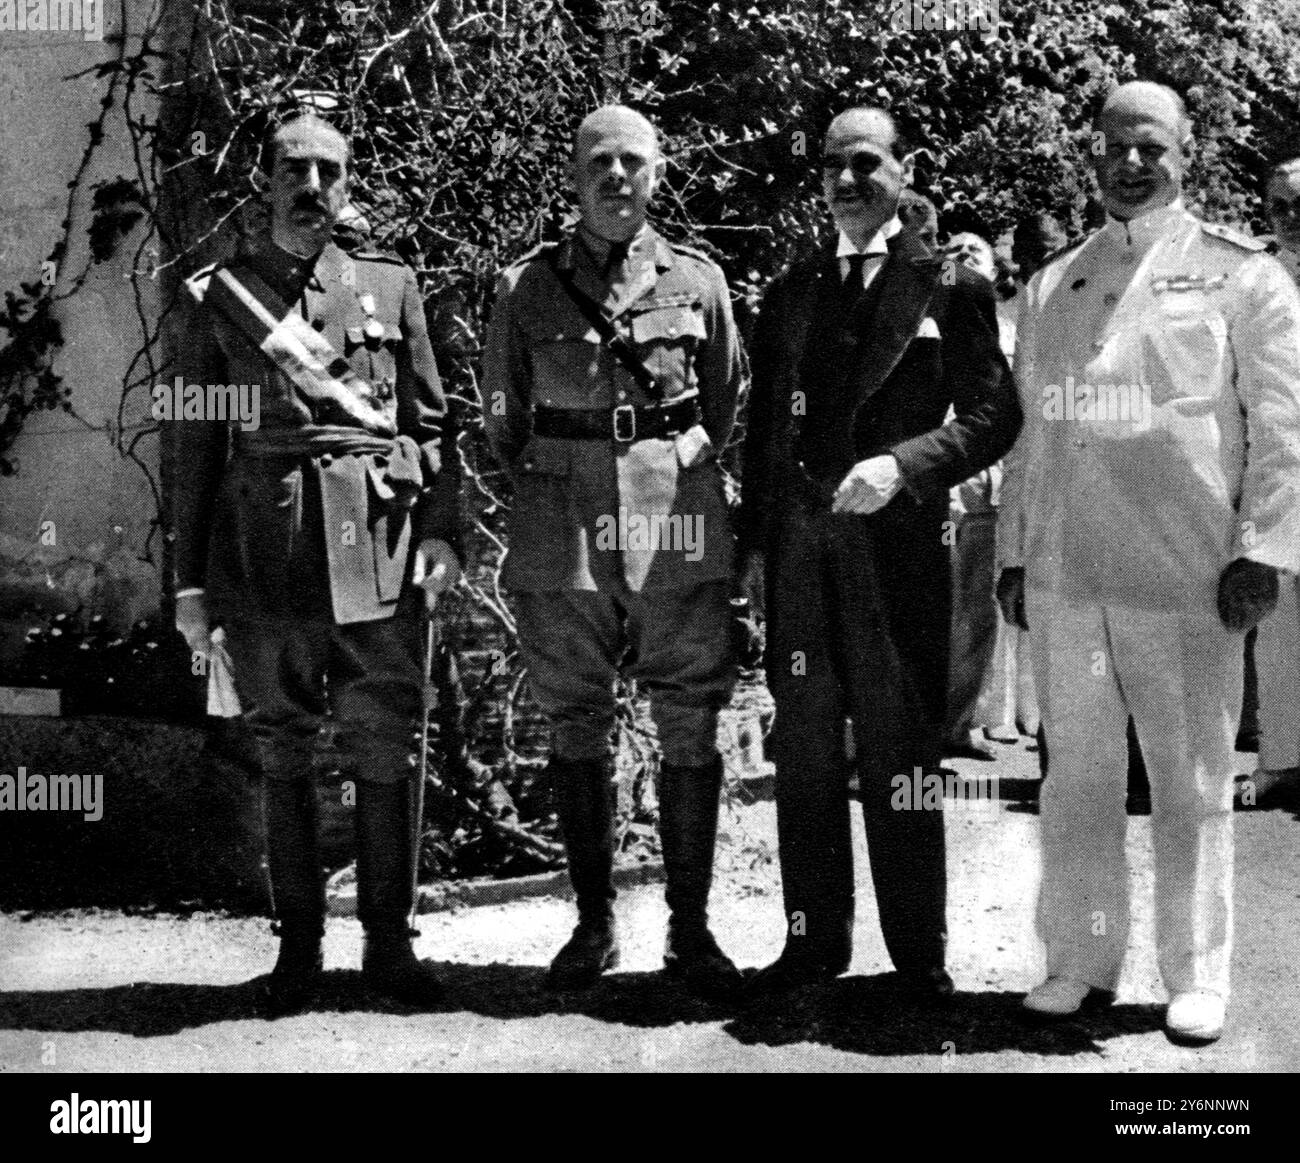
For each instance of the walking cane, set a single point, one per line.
(429, 700)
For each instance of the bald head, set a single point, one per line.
(620, 120)
(617, 166)
(1147, 101)
(1146, 138)
(865, 121)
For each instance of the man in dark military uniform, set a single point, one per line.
(309, 537)
(620, 546)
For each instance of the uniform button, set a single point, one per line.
(622, 395)
(528, 464)
(327, 460)
(672, 331)
(319, 324)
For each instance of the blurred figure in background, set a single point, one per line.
(919, 218)
(973, 511)
(1009, 704)
(1276, 780)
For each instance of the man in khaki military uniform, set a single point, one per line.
(620, 546)
(1147, 509)
(310, 534)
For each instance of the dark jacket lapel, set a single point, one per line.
(906, 284)
(802, 302)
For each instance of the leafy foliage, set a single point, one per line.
(461, 114)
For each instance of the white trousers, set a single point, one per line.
(1179, 674)
(1277, 664)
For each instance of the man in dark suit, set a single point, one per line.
(307, 535)
(858, 354)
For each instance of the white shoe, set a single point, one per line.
(1062, 997)
(1195, 1017)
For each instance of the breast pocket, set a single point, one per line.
(667, 334)
(1184, 349)
(566, 366)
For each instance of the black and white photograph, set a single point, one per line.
(651, 536)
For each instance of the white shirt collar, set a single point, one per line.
(878, 243)
(1146, 226)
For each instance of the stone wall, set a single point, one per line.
(78, 520)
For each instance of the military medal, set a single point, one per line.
(373, 330)
(1188, 283)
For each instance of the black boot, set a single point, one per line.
(688, 826)
(585, 798)
(298, 889)
(385, 886)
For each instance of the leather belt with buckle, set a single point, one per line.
(626, 424)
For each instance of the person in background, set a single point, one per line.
(1276, 780)
(920, 218)
(1009, 703)
(973, 511)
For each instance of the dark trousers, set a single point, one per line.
(831, 652)
(288, 673)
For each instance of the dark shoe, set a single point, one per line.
(591, 951)
(688, 828)
(693, 958)
(932, 985)
(1265, 790)
(795, 971)
(296, 975)
(390, 968)
(385, 893)
(969, 749)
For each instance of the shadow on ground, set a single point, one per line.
(870, 1016)
(860, 1015)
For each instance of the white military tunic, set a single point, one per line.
(1159, 371)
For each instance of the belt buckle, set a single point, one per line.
(625, 424)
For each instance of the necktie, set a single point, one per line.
(615, 259)
(851, 288)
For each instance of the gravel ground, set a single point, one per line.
(106, 991)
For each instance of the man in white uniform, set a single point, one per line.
(1152, 497)
(1276, 782)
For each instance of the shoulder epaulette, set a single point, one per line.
(542, 250)
(1051, 258)
(690, 251)
(1235, 237)
(378, 256)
